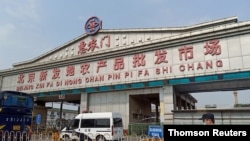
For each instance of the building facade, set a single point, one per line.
(128, 70)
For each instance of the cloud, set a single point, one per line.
(25, 10)
(6, 30)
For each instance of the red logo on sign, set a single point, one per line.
(93, 25)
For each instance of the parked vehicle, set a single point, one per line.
(98, 126)
(16, 115)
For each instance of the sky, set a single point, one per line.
(30, 28)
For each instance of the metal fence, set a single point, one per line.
(133, 137)
(23, 136)
(136, 132)
(14, 136)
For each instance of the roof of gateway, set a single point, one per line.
(178, 30)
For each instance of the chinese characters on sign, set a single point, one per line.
(115, 68)
(93, 44)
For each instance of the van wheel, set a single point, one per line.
(65, 138)
(100, 138)
(84, 138)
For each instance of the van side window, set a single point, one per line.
(117, 122)
(102, 123)
(86, 123)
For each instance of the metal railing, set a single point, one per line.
(14, 136)
(133, 137)
(23, 136)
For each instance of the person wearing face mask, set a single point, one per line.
(208, 119)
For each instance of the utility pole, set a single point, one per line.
(61, 108)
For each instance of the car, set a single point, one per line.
(67, 134)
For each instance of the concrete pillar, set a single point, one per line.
(84, 104)
(166, 104)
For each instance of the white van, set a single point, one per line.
(98, 126)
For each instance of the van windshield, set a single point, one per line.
(74, 124)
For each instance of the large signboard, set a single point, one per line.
(204, 58)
